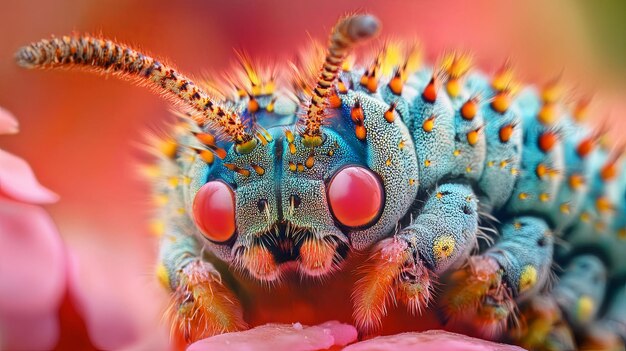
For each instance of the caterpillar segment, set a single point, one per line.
(409, 163)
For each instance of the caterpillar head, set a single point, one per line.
(301, 194)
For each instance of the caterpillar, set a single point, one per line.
(458, 185)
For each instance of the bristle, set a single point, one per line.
(105, 56)
(345, 35)
(373, 292)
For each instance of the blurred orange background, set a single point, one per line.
(81, 132)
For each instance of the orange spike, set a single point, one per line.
(372, 82)
(501, 102)
(585, 147)
(364, 78)
(360, 132)
(390, 115)
(609, 171)
(541, 170)
(505, 133)
(469, 109)
(472, 137)
(395, 84)
(206, 155)
(205, 138)
(430, 92)
(310, 161)
(258, 169)
(429, 124)
(547, 140)
(253, 105)
(334, 100)
(341, 86)
(357, 113)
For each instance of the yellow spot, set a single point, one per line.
(439, 195)
(172, 181)
(523, 196)
(411, 181)
(157, 228)
(163, 276)
(600, 226)
(300, 167)
(503, 164)
(181, 210)
(443, 247)
(565, 208)
(490, 164)
(388, 162)
(517, 225)
(330, 152)
(585, 217)
(167, 147)
(468, 169)
(576, 181)
(453, 87)
(544, 197)
(360, 132)
(160, 199)
(528, 278)
(292, 166)
(584, 308)
(246, 147)
(456, 152)
(514, 171)
(312, 141)
(289, 136)
(426, 163)
(292, 148)
(401, 144)
(548, 114)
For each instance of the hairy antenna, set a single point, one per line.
(105, 56)
(346, 33)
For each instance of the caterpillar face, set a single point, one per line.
(412, 164)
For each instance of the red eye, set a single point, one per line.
(214, 211)
(355, 196)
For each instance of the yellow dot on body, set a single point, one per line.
(584, 308)
(468, 169)
(490, 164)
(157, 228)
(439, 195)
(517, 225)
(388, 162)
(411, 182)
(503, 164)
(565, 208)
(528, 278)
(162, 275)
(585, 217)
(443, 247)
(427, 163)
(523, 196)
(544, 197)
(456, 152)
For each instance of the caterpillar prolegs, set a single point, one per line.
(456, 183)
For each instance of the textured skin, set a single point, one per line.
(513, 162)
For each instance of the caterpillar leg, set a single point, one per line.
(201, 304)
(402, 268)
(485, 292)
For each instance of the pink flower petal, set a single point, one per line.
(432, 340)
(8, 123)
(30, 332)
(18, 181)
(32, 260)
(274, 337)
